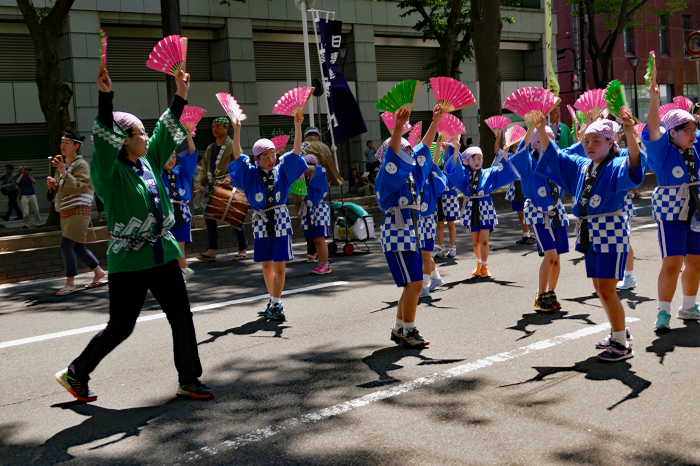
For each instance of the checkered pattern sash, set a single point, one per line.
(588, 183)
(264, 213)
(398, 217)
(583, 220)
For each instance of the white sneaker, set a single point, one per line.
(452, 251)
(689, 314)
(439, 251)
(627, 283)
(424, 292)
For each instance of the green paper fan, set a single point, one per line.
(651, 68)
(399, 96)
(299, 187)
(615, 97)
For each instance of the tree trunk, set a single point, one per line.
(170, 13)
(486, 29)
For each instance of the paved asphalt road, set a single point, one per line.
(499, 385)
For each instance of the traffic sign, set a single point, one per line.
(692, 45)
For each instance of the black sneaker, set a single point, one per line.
(276, 312)
(553, 299)
(78, 389)
(605, 342)
(616, 352)
(263, 312)
(396, 334)
(531, 241)
(196, 390)
(522, 240)
(543, 302)
(413, 338)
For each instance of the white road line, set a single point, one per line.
(206, 307)
(326, 413)
(642, 227)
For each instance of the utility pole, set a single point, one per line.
(582, 31)
(170, 14)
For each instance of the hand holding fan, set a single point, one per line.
(293, 102)
(169, 55)
(514, 135)
(451, 94)
(450, 127)
(103, 48)
(592, 103)
(191, 116)
(231, 107)
(399, 96)
(651, 68)
(414, 135)
(389, 120)
(531, 103)
(615, 98)
(280, 142)
(497, 122)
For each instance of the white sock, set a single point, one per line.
(665, 306)
(275, 300)
(407, 326)
(440, 246)
(629, 273)
(484, 263)
(398, 324)
(620, 337)
(478, 261)
(426, 280)
(435, 274)
(688, 302)
(528, 234)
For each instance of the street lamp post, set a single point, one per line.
(634, 63)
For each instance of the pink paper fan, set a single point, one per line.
(639, 128)
(531, 102)
(231, 107)
(450, 126)
(514, 135)
(592, 103)
(497, 122)
(414, 135)
(192, 115)
(169, 55)
(572, 112)
(389, 120)
(451, 94)
(683, 103)
(280, 142)
(293, 102)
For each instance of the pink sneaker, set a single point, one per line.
(321, 269)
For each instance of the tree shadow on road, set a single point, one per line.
(599, 455)
(545, 318)
(684, 337)
(250, 328)
(595, 370)
(384, 360)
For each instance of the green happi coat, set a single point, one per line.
(128, 205)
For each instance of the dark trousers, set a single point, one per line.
(310, 247)
(127, 293)
(12, 204)
(213, 236)
(69, 250)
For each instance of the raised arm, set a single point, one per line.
(298, 135)
(497, 144)
(237, 151)
(632, 144)
(401, 118)
(542, 134)
(430, 134)
(653, 120)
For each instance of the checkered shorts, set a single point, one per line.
(450, 205)
(608, 234)
(487, 212)
(666, 204)
(535, 215)
(320, 216)
(426, 228)
(394, 239)
(510, 194)
(283, 224)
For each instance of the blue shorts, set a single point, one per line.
(545, 241)
(429, 245)
(278, 249)
(405, 266)
(676, 239)
(474, 229)
(183, 233)
(517, 206)
(318, 231)
(605, 264)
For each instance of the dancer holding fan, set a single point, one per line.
(599, 183)
(267, 188)
(314, 212)
(142, 254)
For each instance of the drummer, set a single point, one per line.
(215, 169)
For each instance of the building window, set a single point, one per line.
(686, 30)
(628, 40)
(663, 35)
(643, 95)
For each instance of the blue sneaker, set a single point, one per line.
(689, 314)
(663, 321)
(424, 292)
(627, 283)
(435, 282)
(276, 312)
(439, 251)
(263, 312)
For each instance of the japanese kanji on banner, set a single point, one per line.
(344, 114)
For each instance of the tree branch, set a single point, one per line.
(26, 7)
(58, 14)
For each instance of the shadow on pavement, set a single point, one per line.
(545, 318)
(250, 328)
(684, 337)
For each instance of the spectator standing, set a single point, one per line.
(370, 160)
(27, 195)
(9, 188)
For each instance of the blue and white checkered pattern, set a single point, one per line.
(628, 208)
(283, 224)
(426, 228)
(320, 216)
(395, 239)
(487, 213)
(450, 205)
(535, 215)
(510, 194)
(608, 234)
(666, 204)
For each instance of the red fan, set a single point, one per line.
(450, 127)
(531, 103)
(414, 135)
(592, 103)
(192, 115)
(103, 48)
(169, 55)
(514, 135)
(497, 122)
(389, 120)
(293, 102)
(231, 107)
(639, 128)
(280, 142)
(451, 94)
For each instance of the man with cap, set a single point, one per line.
(214, 169)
